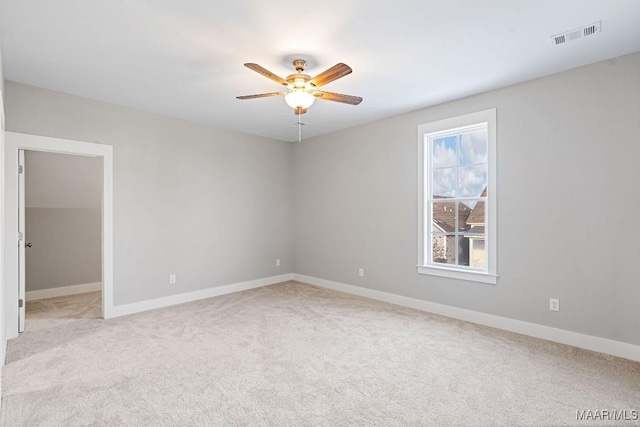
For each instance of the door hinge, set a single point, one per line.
(20, 236)
(20, 169)
(20, 303)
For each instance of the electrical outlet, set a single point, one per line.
(172, 278)
(554, 304)
(361, 272)
(277, 263)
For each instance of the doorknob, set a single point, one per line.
(28, 245)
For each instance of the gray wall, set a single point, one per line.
(66, 247)
(1, 69)
(212, 206)
(63, 220)
(568, 150)
(3, 340)
(55, 180)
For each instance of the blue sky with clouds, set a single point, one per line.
(460, 165)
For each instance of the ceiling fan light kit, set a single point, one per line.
(302, 88)
(299, 99)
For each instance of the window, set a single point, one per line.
(458, 197)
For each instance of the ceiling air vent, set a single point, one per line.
(559, 39)
(567, 36)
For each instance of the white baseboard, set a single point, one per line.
(588, 342)
(137, 307)
(63, 291)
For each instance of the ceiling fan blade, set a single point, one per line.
(337, 97)
(333, 73)
(268, 74)
(262, 95)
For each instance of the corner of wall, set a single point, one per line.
(3, 336)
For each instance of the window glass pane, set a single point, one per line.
(463, 215)
(443, 152)
(443, 217)
(463, 250)
(477, 251)
(444, 248)
(471, 203)
(477, 217)
(472, 180)
(473, 148)
(475, 232)
(444, 182)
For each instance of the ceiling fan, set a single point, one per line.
(302, 88)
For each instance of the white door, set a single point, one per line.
(21, 243)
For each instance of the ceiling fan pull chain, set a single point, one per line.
(299, 129)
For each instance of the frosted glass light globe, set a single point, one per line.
(299, 99)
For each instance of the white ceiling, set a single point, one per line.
(185, 58)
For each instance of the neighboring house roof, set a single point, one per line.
(444, 215)
(477, 215)
(476, 229)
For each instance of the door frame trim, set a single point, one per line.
(19, 141)
(22, 249)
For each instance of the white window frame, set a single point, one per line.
(489, 275)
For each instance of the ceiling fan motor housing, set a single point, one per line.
(297, 81)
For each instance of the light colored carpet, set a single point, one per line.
(294, 354)
(60, 311)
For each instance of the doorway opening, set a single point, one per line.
(60, 238)
(15, 294)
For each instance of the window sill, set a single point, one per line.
(472, 276)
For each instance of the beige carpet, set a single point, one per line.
(294, 354)
(61, 311)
